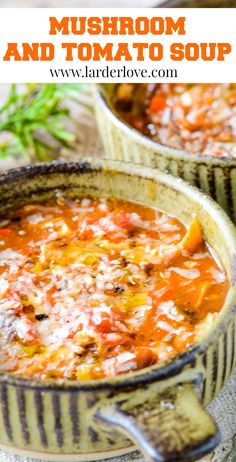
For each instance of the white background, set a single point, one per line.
(202, 25)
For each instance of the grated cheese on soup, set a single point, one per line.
(92, 288)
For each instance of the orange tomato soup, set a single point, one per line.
(197, 118)
(93, 288)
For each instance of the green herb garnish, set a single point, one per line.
(33, 118)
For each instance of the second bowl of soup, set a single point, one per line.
(186, 129)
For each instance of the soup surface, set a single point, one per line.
(93, 288)
(198, 118)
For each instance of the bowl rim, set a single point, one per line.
(171, 367)
(144, 140)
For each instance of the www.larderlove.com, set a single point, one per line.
(108, 72)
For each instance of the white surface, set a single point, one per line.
(150, 54)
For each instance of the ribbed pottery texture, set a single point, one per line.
(216, 177)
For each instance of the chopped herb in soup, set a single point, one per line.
(92, 288)
(197, 118)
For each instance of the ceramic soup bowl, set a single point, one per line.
(159, 409)
(215, 176)
(197, 4)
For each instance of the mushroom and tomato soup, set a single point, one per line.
(197, 118)
(92, 288)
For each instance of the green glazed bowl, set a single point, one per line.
(197, 4)
(159, 409)
(215, 176)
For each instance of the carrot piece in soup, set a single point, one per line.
(193, 238)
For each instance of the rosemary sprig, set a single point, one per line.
(33, 119)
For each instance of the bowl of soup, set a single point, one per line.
(185, 129)
(197, 4)
(117, 312)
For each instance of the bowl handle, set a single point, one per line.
(167, 426)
